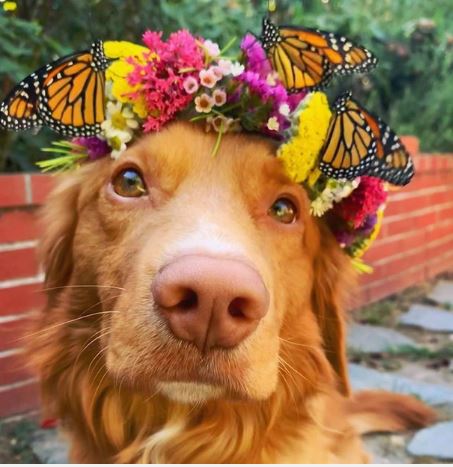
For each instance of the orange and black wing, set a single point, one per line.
(71, 99)
(18, 111)
(66, 95)
(394, 162)
(350, 147)
(306, 58)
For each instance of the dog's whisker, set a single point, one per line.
(307, 346)
(54, 326)
(48, 289)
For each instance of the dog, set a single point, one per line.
(195, 312)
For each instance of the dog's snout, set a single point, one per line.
(212, 302)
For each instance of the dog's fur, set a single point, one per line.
(125, 389)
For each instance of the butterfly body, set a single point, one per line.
(306, 58)
(67, 95)
(359, 143)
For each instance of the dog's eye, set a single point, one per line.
(129, 183)
(283, 210)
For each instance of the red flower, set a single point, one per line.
(362, 202)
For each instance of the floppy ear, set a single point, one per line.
(333, 280)
(59, 220)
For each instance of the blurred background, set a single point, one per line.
(401, 334)
(412, 88)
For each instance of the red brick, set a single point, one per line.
(13, 333)
(19, 400)
(14, 368)
(18, 263)
(41, 185)
(12, 190)
(398, 226)
(20, 299)
(412, 144)
(18, 225)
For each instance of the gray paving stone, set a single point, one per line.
(372, 339)
(366, 378)
(442, 293)
(429, 318)
(435, 441)
(50, 448)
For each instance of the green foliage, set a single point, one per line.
(413, 39)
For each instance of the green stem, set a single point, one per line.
(228, 46)
(218, 141)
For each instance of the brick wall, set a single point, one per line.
(416, 243)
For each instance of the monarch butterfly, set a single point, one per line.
(67, 95)
(359, 143)
(307, 58)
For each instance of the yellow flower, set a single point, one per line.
(9, 6)
(300, 154)
(118, 71)
(373, 235)
(121, 49)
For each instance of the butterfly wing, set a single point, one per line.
(66, 95)
(306, 58)
(18, 111)
(350, 147)
(71, 100)
(395, 164)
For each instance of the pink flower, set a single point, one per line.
(190, 85)
(217, 70)
(204, 103)
(159, 82)
(211, 48)
(220, 97)
(208, 78)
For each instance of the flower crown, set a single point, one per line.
(105, 97)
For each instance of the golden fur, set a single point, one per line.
(104, 355)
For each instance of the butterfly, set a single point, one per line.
(359, 143)
(67, 95)
(307, 58)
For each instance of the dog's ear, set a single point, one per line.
(333, 282)
(59, 220)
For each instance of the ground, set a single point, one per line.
(403, 344)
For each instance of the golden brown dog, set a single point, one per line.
(195, 312)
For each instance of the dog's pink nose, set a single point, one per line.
(212, 302)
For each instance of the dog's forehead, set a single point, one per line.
(184, 150)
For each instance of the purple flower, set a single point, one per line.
(95, 147)
(256, 56)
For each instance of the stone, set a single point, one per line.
(435, 441)
(429, 318)
(49, 447)
(375, 339)
(366, 378)
(384, 450)
(442, 293)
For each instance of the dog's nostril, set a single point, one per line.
(189, 300)
(236, 307)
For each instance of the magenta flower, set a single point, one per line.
(95, 147)
(255, 55)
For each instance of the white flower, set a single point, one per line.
(204, 103)
(225, 66)
(211, 48)
(190, 85)
(118, 127)
(217, 71)
(320, 206)
(219, 123)
(208, 78)
(284, 110)
(237, 69)
(219, 96)
(272, 124)
(272, 78)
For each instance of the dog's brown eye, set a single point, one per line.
(284, 211)
(129, 183)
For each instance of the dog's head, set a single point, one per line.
(209, 274)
